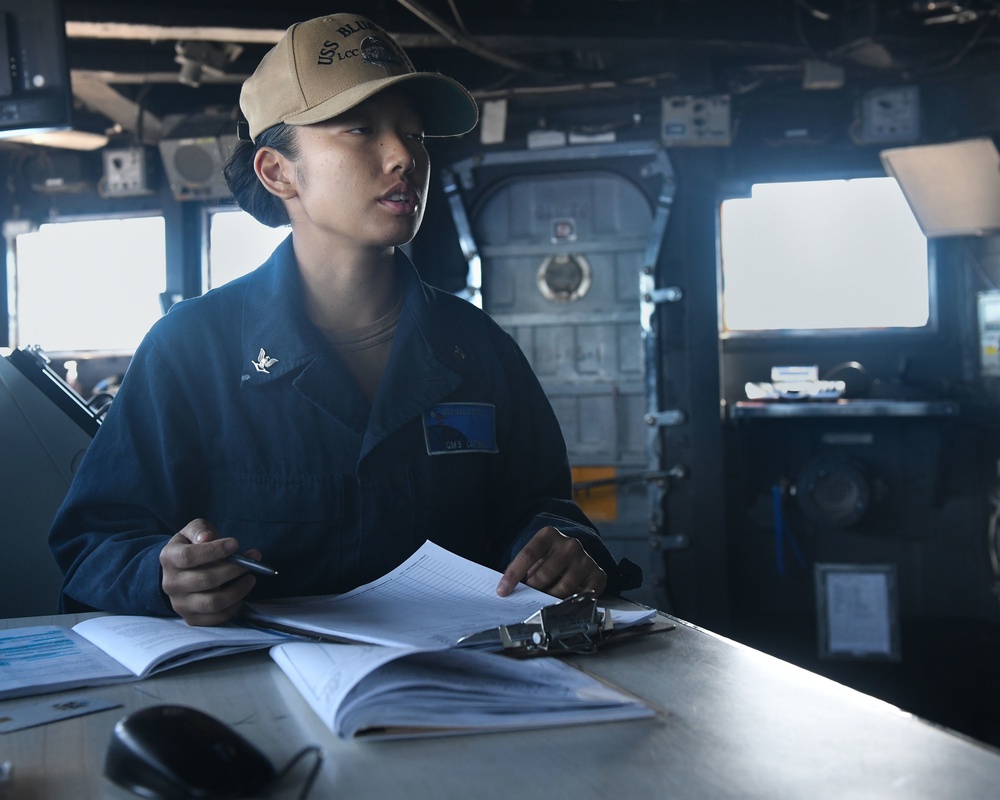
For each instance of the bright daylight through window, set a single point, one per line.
(89, 284)
(238, 244)
(823, 255)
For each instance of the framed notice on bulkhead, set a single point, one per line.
(857, 611)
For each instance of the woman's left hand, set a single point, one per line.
(555, 564)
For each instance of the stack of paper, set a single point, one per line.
(409, 679)
(431, 600)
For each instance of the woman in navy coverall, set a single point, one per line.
(329, 411)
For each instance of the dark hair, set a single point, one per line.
(244, 183)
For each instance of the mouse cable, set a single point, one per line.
(311, 777)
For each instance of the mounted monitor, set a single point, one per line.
(35, 90)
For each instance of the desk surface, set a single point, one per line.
(732, 723)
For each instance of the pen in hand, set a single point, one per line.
(250, 564)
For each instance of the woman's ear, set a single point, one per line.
(276, 172)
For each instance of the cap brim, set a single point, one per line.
(445, 106)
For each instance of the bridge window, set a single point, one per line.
(823, 256)
(90, 284)
(237, 244)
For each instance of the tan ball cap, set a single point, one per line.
(326, 66)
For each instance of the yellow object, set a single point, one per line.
(600, 503)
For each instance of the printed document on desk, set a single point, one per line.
(112, 649)
(431, 600)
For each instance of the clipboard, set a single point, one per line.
(574, 625)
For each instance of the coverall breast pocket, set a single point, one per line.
(276, 499)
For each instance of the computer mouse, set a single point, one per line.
(169, 752)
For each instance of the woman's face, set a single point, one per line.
(362, 177)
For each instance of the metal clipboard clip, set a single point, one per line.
(575, 625)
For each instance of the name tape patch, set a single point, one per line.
(460, 428)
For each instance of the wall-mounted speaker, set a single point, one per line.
(194, 166)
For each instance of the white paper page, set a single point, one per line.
(354, 688)
(431, 600)
(47, 658)
(143, 643)
(324, 676)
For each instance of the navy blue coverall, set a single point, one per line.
(235, 409)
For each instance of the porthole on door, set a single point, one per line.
(564, 278)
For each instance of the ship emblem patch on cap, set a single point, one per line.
(377, 52)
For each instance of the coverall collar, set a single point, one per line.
(277, 335)
(279, 341)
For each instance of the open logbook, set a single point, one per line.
(112, 649)
(377, 692)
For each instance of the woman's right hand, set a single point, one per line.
(202, 587)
